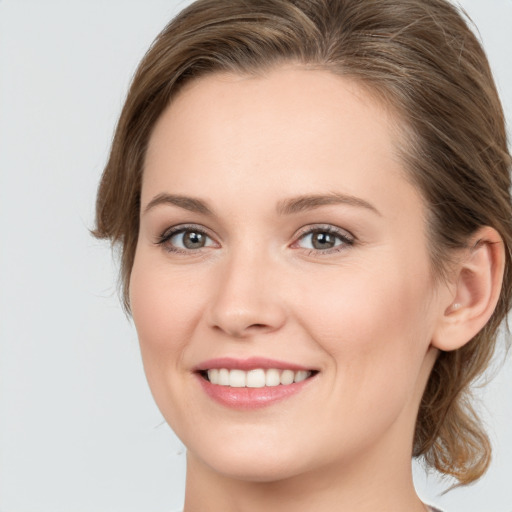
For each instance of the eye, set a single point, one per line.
(189, 239)
(185, 239)
(324, 239)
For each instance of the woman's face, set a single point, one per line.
(280, 241)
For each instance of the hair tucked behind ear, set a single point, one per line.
(422, 60)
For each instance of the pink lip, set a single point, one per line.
(250, 398)
(248, 364)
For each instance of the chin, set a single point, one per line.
(241, 461)
(255, 471)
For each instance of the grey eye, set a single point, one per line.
(320, 240)
(190, 239)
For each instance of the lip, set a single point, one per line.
(250, 398)
(251, 363)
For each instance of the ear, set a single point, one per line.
(474, 292)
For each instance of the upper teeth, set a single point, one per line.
(257, 378)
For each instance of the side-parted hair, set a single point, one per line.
(420, 59)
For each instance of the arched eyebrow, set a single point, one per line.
(187, 203)
(310, 202)
(284, 207)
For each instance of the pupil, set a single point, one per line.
(193, 240)
(323, 241)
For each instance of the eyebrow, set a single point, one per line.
(309, 202)
(187, 203)
(285, 207)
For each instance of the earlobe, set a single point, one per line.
(478, 279)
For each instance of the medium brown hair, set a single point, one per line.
(420, 58)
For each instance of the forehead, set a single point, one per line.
(300, 128)
(285, 100)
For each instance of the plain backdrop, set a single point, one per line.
(78, 428)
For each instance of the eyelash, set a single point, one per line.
(168, 234)
(346, 239)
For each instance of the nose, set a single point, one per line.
(247, 299)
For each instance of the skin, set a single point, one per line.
(364, 316)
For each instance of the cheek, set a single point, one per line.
(163, 306)
(361, 304)
(376, 328)
(161, 302)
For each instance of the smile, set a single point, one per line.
(252, 383)
(257, 378)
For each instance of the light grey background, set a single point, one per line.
(78, 429)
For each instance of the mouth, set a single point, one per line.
(252, 383)
(255, 378)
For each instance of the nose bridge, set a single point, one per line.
(246, 298)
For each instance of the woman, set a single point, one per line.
(312, 201)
